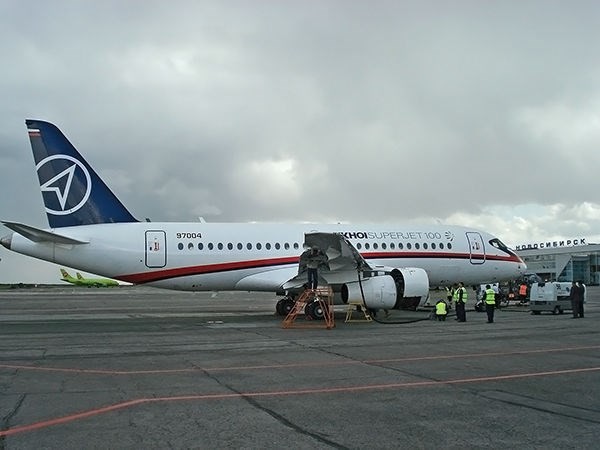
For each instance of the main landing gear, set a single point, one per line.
(315, 310)
(317, 307)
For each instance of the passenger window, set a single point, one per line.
(441, 245)
(383, 246)
(296, 245)
(449, 245)
(400, 245)
(425, 245)
(358, 246)
(210, 246)
(258, 246)
(367, 246)
(249, 246)
(433, 245)
(180, 246)
(230, 246)
(268, 246)
(220, 246)
(200, 246)
(277, 246)
(408, 246)
(375, 246)
(286, 246)
(417, 246)
(392, 245)
(240, 246)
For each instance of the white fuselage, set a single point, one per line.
(261, 257)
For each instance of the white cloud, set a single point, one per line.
(563, 126)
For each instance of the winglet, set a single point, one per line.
(73, 192)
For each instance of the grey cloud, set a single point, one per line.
(376, 112)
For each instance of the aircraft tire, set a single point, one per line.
(284, 306)
(279, 307)
(315, 311)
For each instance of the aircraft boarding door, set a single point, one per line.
(476, 248)
(156, 249)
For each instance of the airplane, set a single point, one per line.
(383, 266)
(80, 280)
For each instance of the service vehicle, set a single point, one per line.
(550, 296)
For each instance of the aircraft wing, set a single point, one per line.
(344, 260)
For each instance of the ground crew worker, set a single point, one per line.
(581, 297)
(460, 299)
(577, 296)
(450, 295)
(441, 310)
(490, 303)
(303, 261)
(315, 259)
(523, 293)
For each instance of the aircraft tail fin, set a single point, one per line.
(72, 191)
(79, 276)
(65, 274)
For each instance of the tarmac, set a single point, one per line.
(136, 367)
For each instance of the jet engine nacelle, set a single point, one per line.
(403, 288)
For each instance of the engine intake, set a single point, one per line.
(403, 288)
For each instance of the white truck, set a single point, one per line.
(551, 296)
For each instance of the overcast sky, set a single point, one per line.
(467, 112)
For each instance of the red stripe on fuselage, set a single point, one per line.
(440, 255)
(163, 274)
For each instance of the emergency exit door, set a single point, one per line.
(476, 248)
(156, 248)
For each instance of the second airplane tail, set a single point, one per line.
(73, 192)
(65, 274)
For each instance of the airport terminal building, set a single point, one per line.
(565, 260)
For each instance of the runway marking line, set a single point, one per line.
(292, 365)
(330, 390)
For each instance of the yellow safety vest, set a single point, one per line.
(490, 296)
(457, 295)
(440, 308)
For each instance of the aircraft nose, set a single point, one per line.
(6, 241)
(523, 267)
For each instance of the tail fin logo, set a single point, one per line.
(60, 196)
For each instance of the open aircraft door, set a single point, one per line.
(476, 248)
(156, 248)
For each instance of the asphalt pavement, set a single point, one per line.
(135, 367)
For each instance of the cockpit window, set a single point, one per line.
(501, 246)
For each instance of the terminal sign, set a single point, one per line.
(552, 244)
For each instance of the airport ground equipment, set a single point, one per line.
(360, 309)
(317, 306)
(551, 297)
